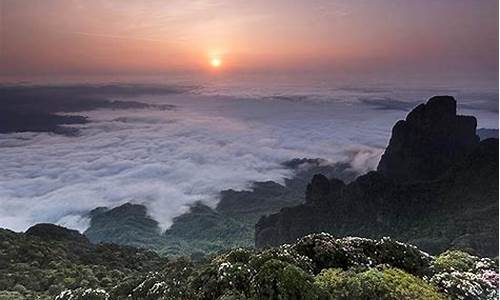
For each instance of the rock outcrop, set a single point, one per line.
(436, 187)
(428, 142)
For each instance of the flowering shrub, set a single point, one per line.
(464, 285)
(235, 276)
(317, 267)
(485, 264)
(284, 253)
(171, 283)
(464, 276)
(157, 286)
(328, 252)
(238, 255)
(402, 256)
(204, 283)
(83, 294)
(224, 274)
(490, 279)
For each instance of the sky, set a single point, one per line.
(426, 38)
(168, 144)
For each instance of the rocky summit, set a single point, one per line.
(429, 141)
(436, 186)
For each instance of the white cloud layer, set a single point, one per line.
(169, 159)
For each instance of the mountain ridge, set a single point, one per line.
(203, 229)
(454, 206)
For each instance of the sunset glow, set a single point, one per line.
(215, 62)
(346, 38)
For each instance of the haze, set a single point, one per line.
(427, 39)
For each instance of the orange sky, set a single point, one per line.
(160, 36)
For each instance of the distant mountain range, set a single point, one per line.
(204, 229)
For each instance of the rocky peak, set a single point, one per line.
(321, 189)
(428, 142)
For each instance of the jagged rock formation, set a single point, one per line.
(427, 143)
(439, 196)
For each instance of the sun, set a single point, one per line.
(215, 62)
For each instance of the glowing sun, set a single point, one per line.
(215, 62)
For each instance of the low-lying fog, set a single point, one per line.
(210, 139)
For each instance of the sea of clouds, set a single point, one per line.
(211, 141)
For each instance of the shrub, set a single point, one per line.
(125, 288)
(327, 252)
(20, 289)
(6, 295)
(454, 260)
(204, 283)
(162, 285)
(346, 268)
(233, 295)
(467, 285)
(221, 276)
(485, 264)
(464, 276)
(402, 256)
(385, 284)
(83, 294)
(278, 280)
(332, 282)
(238, 255)
(170, 283)
(284, 253)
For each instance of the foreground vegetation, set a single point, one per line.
(317, 266)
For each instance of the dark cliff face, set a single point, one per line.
(440, 198)
(428, 142)
(321, 189)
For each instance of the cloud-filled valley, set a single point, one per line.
(202, 144)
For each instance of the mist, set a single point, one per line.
(209, 140)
